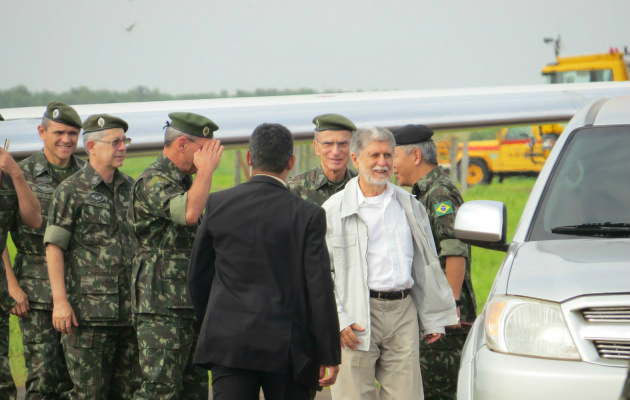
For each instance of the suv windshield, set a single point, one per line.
(588, 192)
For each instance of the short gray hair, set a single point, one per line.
(363, 136)
(427, 148)
(93, 136)
(172, 134)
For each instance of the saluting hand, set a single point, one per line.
(64, 318)
(208, 156)
(8, 164)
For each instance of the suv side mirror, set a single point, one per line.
(482, 223)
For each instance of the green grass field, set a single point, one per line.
(513, 192)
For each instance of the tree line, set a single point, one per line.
(20, 96)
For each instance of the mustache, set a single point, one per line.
(380, 169)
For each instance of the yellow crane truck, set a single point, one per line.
(523, 150)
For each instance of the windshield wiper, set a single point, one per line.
(619, 229)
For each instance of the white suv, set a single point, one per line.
(557, 321)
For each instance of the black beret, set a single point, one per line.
(411, 134)
(63, 113)
(101, 122)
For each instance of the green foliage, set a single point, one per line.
(18, 369)
(20, 96)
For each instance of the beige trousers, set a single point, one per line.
(393, 357)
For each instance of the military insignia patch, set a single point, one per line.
(39, 168)
(101, 122)
(56, 113)
(95, 180)
(44, 188)
(97, 197)
(44, 179)
(206, 131)
(443, 208)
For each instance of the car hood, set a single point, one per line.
(558, 270)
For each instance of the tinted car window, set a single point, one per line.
(589, 184)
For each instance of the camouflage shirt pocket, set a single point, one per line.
(174, 285)
(185, 238)
(94, 229)
(34, 279)
(99, 299)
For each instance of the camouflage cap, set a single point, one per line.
(1, 117)
(333, 122)
(101, 122)
(63, 113)
(410, 134)
(192, 124)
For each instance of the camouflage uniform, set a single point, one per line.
(8, 201)
(440, 361)
(43, 354)
(313, 186)
(88, 219)
(167, 331)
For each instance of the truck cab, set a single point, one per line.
(588, 68)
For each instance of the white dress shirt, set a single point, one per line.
(390, 244)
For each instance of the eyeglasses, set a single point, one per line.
(195, 143)
(343, 145)
(115, 143)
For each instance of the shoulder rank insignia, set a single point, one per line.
(443, 208)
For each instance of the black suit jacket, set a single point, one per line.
(260, 283)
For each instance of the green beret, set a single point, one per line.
(101, 122)
(333, 122)
(63, 113)
(1, 117)
(411, 134)
(192, 124)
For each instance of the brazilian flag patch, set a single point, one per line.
(443, 208)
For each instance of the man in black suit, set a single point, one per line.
(260, 283)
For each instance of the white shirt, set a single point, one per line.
(390, 244)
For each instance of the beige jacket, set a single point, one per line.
(347, 241)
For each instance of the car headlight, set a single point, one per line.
(528, 327)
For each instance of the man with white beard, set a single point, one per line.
(389, 286)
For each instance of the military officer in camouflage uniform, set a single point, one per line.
(48, 376)
(415, 164)
(90, 247)
(332, 144)
(167, 206)
(14, 194)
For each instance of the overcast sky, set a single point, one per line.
(192, 46)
